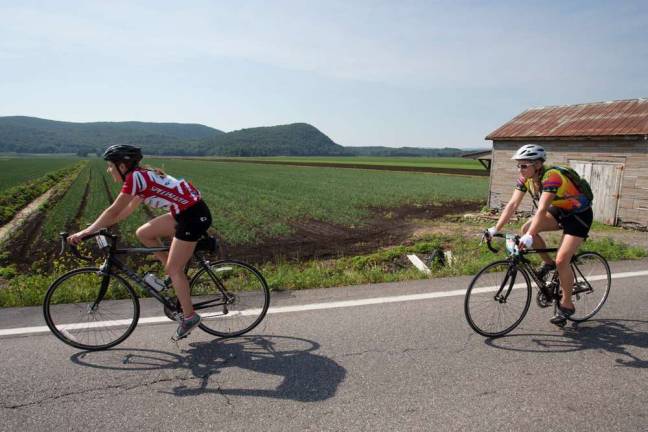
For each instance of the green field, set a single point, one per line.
(422, 162)
(60, 216)
(14, 171)
(251, 202)
(255, 202)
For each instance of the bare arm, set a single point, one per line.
(130, 208)
(109, 217)
(510, 208)
(545, 201)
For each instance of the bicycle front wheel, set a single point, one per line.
(89, 310)
(232, 298)
(592, 282)
(497, 299)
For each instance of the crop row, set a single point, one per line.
(251, 201)
(405, 162)
(61, 216)
(18, 171)
(89, 194)
(13, 199)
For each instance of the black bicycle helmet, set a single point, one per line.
(123, 153)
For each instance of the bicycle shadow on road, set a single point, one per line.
(305, 376)
(619, 336)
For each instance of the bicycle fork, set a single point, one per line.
(506, 286)
(105, 281)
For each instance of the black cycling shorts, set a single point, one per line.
(193, 222)
(576, 224)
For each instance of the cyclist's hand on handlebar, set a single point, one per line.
(76, 238)
(490, 232)
(525, 242)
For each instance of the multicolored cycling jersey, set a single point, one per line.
(568, 198)
(161, 191)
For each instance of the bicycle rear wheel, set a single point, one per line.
(592, 282)
(232, 298)
(89, 310)
(497, 299)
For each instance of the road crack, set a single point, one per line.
(122, 387)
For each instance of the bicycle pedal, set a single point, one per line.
(560, 324)
(178, 339)
(179, 348)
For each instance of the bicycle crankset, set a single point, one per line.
(174, 315)
(542, 300)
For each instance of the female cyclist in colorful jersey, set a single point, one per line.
(188, 219)
(560, 205)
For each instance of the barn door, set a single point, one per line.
(605, 180)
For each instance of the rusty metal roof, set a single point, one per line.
(614, 118)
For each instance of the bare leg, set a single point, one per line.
(151, 232)
(548, 223)
(180, 253)
(568, 248)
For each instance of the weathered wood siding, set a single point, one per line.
(632, 154)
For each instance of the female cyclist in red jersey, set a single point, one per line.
(188, 219)
(560, 206)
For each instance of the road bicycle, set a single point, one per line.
(499, 296)
(95, 308)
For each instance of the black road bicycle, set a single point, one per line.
(95, 308)
(499, 296)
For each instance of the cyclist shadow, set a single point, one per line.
(618, 336)
(306, 376)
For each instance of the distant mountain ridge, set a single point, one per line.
(297, 139)
(23, 134)
(34, 135)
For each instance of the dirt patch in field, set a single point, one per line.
(311, 238)
(318, 239)
(23, 217)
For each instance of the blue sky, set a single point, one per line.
(393, 73)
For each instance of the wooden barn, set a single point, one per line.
(606, 142)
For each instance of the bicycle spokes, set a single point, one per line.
(592, 281)
(233, 297)
(497, 299)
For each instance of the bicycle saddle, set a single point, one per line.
(207, 244)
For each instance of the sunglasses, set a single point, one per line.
(523, 166)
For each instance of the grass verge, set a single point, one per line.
(387, 265)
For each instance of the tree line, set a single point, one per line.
(34, 135)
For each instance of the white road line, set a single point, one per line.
(306, 307)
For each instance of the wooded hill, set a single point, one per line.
(35, 135)
(21, 134)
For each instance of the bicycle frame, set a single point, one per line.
(518, 262)
(112, 262)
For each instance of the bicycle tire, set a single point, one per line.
(71, 312)
(245, 309)
(592, 283)
(496, 320)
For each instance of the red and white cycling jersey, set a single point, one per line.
(159, 191)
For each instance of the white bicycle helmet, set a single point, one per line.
(530, 152)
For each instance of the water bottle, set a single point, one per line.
(154, 282)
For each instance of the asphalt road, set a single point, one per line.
(411, 364)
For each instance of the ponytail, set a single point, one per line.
(158, 171)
